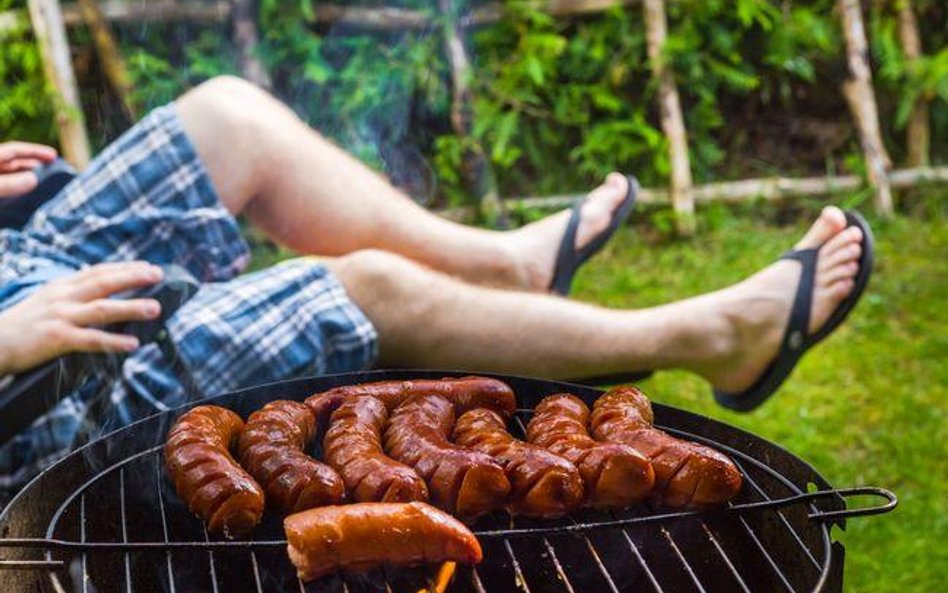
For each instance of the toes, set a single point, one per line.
(837, 273)
(842, 240)
(613, 189)
(841, 288)
(846, 254)
(832, 220)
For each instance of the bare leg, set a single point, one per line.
(310, 195)
(729, 336)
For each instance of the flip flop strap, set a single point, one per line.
(796, 334)
(566, 257)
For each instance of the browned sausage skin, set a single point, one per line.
(353, 446)
(362, 536)
(615, 476)
(205, 475)
(687, 475)
(541, 484)
(272, 448)
(465, 393)
(464, 483)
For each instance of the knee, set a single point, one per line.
(375, 272)
(227, 102)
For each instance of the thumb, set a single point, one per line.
(16, 184)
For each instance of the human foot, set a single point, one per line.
(537, 244)
(759, 307)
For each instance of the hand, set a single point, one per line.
(61, 317)
(17, 161)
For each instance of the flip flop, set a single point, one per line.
(569, 259)
(796, 340)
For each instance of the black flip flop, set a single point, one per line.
(569, 259)
(796, 341)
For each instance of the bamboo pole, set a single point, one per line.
(918, 133)
(770, 189)
(381, 19)
(862, 103)
(246, 38)
(475, 166)
(155, 11)
(109, 56)
(673, 123)
(47, 20)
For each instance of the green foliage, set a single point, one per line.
(927, 78)
(25, 107)
(558, 102)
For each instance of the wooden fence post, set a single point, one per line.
(476, 168)
(246, 38)
(109, 55)
(673, 123)
(862, 103)
(918, 134)
(47, 20)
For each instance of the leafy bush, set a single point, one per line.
(559, 102)
(25, 106)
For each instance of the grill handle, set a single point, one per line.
(832, 516)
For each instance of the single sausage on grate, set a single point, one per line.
(465, 393)
(366, 535)
(541, 484)
(353, 446)
(687, 475)
(463, 482)
(615, 476)
(273, 449)
(205, 475)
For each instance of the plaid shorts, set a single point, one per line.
(149, 197)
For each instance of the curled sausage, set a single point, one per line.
(272, 448)
(464, 483)
(614, 475)
(206, 477)
(541, 484)
(465, 393)
(362, 536)
(353, 446)
(687, 475)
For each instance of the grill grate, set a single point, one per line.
(123, 529)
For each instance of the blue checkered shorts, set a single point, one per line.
(149, 197)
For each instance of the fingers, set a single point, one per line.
(26, 150)
(17, 184)
(19, 165)
(108, 311)
(81, 339)
(104, 280)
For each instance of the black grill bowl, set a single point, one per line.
(115, 490)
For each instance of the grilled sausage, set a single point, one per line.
(541, 484)
(615, 476)
(272, 448)
(362, 536)
(353, 446)
(464, 483)
(206, 477)
(687, 475)
(465, 393)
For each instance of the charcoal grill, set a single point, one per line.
(107, 519)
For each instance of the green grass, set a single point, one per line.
(869, 406)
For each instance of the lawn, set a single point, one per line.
(869, 407)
